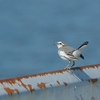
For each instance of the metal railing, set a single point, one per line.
(79, 83)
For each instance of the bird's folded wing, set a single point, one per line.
(70, 55)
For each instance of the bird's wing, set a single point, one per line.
(71, 56)
(67, 52)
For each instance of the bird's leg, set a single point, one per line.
(73, 64)
(69, 62)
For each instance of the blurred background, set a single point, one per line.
(28, 29)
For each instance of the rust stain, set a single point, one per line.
(14, 81)
(58, 82)
(90, 66)
(11, 91)
(93, 80)
(65, 83)
(86, 67)
(41, 85)
(30, 87)
(25, 86)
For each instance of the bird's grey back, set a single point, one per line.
(66, 49)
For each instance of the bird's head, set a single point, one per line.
(60, 44)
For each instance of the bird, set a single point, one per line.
(69, 53)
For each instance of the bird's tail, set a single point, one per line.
(83, 45)
(77, 52)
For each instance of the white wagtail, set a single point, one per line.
(69, 53)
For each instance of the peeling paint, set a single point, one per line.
(41, 85)
(86, 67)
(30, 87)
(11, 91)
(80, 76)
(58, 82)
(93, 80)
(65, 83)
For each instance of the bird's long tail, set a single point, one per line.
(83, 45)
(77, 52)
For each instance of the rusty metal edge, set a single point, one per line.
(42, 85)
(53, 72)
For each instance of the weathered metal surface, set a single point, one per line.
(80, 83)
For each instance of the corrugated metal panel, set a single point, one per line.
(80, 83)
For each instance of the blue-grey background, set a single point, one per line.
(28, 29)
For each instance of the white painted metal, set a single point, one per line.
(80, 83)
